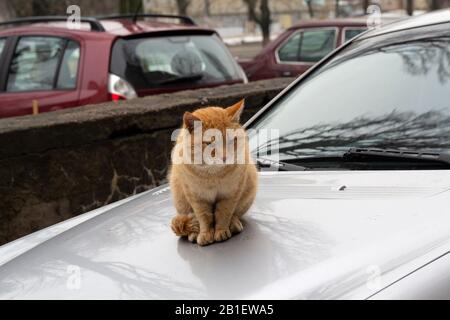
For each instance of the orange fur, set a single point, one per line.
(211, 199)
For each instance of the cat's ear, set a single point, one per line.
(189, 120)
(235, 111)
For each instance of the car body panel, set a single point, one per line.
(303, 238)
(433, 279)
(20, 104)
(28, 242)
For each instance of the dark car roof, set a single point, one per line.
(113, 28)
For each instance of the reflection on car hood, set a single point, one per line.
(308, 235)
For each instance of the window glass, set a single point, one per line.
(35, 63)
(67, 78)
(173, 61)
(316, 44)
(2, 45)
(351, 33)
(390, 97)
(290, 49)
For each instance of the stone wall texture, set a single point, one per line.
(56, 165)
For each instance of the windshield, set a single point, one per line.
(162, 61)
(395, 96)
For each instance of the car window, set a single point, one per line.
(308, 46)
(289, 51)
(316, 44)
(393, 96)
(2, 45)
(67, 77)
(35, 64)
(350, 33)
(173, 61)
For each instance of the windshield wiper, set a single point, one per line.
(194, 77)
(373, 154)
(271, 165)
(374, 159)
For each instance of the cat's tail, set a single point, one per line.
(185, 224)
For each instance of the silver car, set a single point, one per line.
(353, 201)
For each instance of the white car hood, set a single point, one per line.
(308, 235)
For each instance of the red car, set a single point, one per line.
(300, 47)
(50, 65)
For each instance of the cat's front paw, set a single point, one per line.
(179, 225)
(192, 237)
(236, 225)
(206, 237)
(222, 234)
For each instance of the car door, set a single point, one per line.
(303, 49)
(39, 73)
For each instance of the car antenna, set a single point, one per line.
(139, 6)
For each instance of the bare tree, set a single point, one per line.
(42, 7)
(207, 8)
(310, 8)
(261, 16)
(434, 4)
(365, 5)
(6, 10)
(131, 6)
(182, 6)
(410, 7)
(336, 8)
(26, 8)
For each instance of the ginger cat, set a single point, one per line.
(211, 196)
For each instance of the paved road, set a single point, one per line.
(246, 51)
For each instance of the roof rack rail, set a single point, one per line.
(93, 22)
(184, 19)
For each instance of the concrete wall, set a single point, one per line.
(57, 165)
